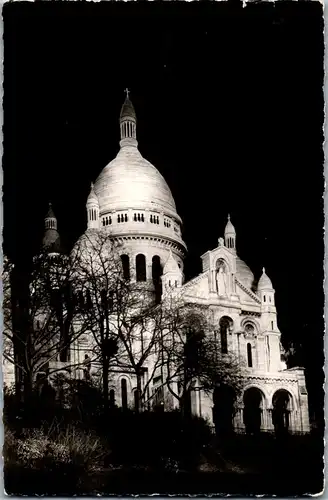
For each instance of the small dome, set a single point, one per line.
(264, 283)
(51, 241)
(127, 110)
(243, 273)
(171, 265)
(92, 198)
(229, 229)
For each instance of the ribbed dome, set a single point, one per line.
(130, 181)
(244, 274)
(264, 282)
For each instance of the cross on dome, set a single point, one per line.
(127, 91)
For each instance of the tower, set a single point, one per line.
(92, 210)
(230, 236)
(172, 275)
(131, 201)
(51, 239)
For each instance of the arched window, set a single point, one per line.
(124, 393)
(126, 266)
(151, 218)
(126, 218)
(156, 275)
(271, 325)
(135, 217)
(110, 220)
(225, 324)
(103, 222)
(142, 218)
(264, 298)
(249, 355)
(138, 217)
(112, 398)
(141, 267)
(118, 218)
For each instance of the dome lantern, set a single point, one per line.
(128, 123)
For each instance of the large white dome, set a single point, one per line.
(131, 182)
(132, 202)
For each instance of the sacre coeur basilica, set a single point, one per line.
(132, 201)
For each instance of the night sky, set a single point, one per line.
(229, 104)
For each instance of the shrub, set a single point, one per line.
(62, 457)
(158, 439)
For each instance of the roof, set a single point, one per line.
(171, 265)
(50, 213)
(264, 282)
(130, 181)
(92, 198)
(51, 241)
(244, 273)
(229, 229)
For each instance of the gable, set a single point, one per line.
(197, 287)
(246, 295)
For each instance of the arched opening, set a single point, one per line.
(156, 275)
(126, 266)
(141, 267)
(225, 326)
(253, 406)
(249, 356)
(223, 409)
(124, 393)
(112, 398)
(282, 406)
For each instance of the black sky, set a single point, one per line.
(229, 104)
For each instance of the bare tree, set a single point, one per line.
(121, 313)
(40, 314)
(192, 355)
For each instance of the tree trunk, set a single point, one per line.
(105, 370)
(137, 399)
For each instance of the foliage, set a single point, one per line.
(158, 440)
(192, 355)
(41, 315)
(120, 313)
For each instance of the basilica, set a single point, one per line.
(132, 201)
